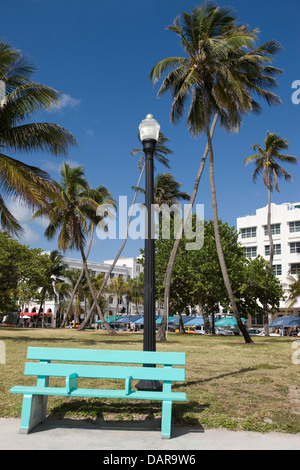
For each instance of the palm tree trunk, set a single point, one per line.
(161, 335)
(217, 232)
(84, 323)
(77, 282)
(92, 291)
(40, 308)
(266, 320)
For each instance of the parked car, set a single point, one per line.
(254, 332)
(199, 330)
(262, 333)
(224, 332)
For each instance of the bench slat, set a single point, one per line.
(106, 356)
(104, 372)
(100, 393)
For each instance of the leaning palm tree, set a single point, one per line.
(220, 72)
(73, 210)
(20, 98)
(268, 161)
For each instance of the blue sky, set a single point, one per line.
(99, 55)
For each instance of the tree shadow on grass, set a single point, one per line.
(217, 377)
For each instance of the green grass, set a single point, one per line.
(229, 384)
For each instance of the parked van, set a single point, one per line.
(198, 330)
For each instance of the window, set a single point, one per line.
(294, 226)
(295, 247)
(251, 251)
(277, 249)
(275, 229)
(295, 268)
(248, 232)
(277, 269)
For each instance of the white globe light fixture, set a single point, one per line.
(149, 129)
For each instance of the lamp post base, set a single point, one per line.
(149, 385)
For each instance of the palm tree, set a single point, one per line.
(294, 289)
(268, 161)
(55, 271)
(221, 71)
(72, 212)
(65, 289)
(118, 286)
(166, 192)
(20, 98)
(135, 291)
(159, 155)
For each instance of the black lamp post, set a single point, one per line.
(149, 133)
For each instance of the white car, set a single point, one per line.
(224, 332)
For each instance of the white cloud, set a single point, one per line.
(29, 236)
(52, 165)
(23, 214)
(89, 133)
(66, 101)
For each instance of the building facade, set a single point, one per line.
(127, 268)
(285, 227)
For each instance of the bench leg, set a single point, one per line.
(33, 412)
(166, 420)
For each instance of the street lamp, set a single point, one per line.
(149, 134)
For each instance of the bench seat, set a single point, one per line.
(74, 364)
(99, 393)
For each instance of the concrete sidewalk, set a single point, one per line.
(83, 435)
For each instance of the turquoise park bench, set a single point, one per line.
(73, 364)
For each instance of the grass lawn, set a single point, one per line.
(229, 384)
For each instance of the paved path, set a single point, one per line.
(83, 435)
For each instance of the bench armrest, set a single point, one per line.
(71, 382)
(128, 385)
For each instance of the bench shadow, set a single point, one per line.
(121, 416)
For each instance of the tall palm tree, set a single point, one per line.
(20, 98)
(72, 212)
(160, 155)
(268, 161)
(220, 72)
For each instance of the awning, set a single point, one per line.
(228, 321)
(185, 319)
(110, 319)
(128, 319)
(195, 322)
(29, 314)
(140, 321)
(288, 320)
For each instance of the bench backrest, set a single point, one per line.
(96, 364)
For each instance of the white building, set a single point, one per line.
(253, 235)
(125, 267)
